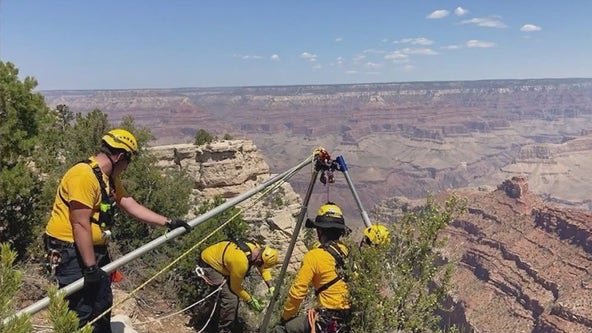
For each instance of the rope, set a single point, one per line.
(211, 313)
(263, 194)
(189, 307)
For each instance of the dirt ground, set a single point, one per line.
(148, 313)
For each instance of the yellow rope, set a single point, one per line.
(264, 193)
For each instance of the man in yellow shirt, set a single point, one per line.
(78, 228)
(321, 267)
(226, 264)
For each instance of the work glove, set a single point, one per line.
(93, 276)
(174, 224)
(270, 291)
(256, 304)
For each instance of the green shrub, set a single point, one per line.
(401, 285)
(202, 137)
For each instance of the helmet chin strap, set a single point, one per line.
(108, 154)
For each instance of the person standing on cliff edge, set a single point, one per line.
(78, 229)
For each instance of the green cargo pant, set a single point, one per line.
(227, 301)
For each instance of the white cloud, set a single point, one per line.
(374, 51)
(351, 72)
(479, 43)
(339, 60)
(459, 11)
(397, 57)
(317, 67)
(530, 28)
(420, 51)
(452, 47)
(373, 65)
(438, 14)
(248, 57)
(359, 57)
(415, 41)
(488, 22)
(339, 39)
(308, 56)
(275, 57)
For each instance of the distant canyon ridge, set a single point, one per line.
(398, 139)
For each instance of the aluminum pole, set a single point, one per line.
(297, 227)
(77, 285)
(343, 167)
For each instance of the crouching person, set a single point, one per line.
(225, 265)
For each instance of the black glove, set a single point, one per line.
(93, 276)
(174, 224)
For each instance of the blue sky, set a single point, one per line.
(111, 44)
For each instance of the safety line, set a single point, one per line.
(183, 310)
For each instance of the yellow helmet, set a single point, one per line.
(329, 215)
(121, 139)
(377, 234)
(269, 256)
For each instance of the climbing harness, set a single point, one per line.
(340, 265)
(323, 320)
(107, 204)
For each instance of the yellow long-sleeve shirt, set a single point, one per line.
(318, 267)
(229, 260)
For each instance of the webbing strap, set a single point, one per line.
(105, 197)
(99, 174)
(243, 247)
(338, 255)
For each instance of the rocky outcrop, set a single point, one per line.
(232, 167)
(523, 265)
(515, 188)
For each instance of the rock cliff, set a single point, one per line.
(232, 167)
(523, 265)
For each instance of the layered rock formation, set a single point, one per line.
(405, 139)
(232, 167)
(523, 265)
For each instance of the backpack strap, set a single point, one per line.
(338, 255)
(243, 247)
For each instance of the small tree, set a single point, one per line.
(227, 136)
(64, 320)
(164, 192)
(21, 114)
(10, 283)
(202, 137)
(400, 286)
